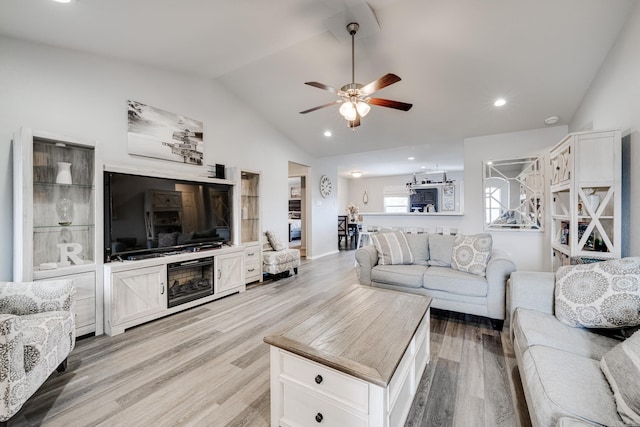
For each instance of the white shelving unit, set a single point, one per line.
(57, 200)
(250, 223)
(586, 179)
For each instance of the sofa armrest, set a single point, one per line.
(366, 259)
(12, 358)
(499, 268)
(23, 298)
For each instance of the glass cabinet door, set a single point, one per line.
(63, 205)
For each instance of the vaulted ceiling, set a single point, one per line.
(455, 57)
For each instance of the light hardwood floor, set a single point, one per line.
(208, 366)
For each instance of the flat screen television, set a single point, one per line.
(147, 215)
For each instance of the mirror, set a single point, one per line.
(513, 194)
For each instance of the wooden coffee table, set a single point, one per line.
(354, 361)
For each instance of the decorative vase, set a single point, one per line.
(64, 173)
(64, 209)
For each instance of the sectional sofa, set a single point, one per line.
(572, 374)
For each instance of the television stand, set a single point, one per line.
(137, 291)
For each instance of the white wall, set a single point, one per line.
(613, 102)
(529, 249)
(71, 93)
(325, 211)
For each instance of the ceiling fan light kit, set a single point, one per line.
(354, 97)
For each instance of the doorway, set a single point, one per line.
(298, 218)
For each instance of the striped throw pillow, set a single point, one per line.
(392, 248)
(621, 367)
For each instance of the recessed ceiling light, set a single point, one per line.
(411, 158)
(500, 102)
(423, 167)
(327, 133)
(356, 174)
(64, 1)
(551, 120)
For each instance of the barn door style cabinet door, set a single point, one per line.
(56, 212)
(586, 200)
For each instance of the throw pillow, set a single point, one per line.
(275, 242)
(440, 249)
(167, 239)
(471, 253)
(392, 248)
(621, 367)
(419, 246)
(599, 295)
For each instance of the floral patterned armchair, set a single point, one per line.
(37, 333)
(277, 259)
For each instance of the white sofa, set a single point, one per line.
(449, 289)
(559, 365)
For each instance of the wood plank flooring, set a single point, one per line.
(208, 366)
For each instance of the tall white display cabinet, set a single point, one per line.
(250, 223)
(57, 205)
(586, 200)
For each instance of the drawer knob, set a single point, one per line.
(318, 380)
(319, 417)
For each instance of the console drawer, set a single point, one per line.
(252, 268)
(326, 381)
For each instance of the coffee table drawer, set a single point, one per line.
(348, 390)
(306, 408)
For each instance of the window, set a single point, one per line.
(396, 199)
(396, 204)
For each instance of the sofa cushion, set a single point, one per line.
(561, 384)
(419, 246)
(471, 253)
(392, 248)
(621, 367)
(599, 295)
(405, 275)
(440, 249)
(532, 327)
(455, 282)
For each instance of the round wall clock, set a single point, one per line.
(325, 186)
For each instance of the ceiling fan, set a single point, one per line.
(354, 97)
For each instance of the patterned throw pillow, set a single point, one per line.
(471, 253)
(392, 248)
(621, 367)
(167, 239)
(276, 243)
(600, 295)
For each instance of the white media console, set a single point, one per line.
(138, 291)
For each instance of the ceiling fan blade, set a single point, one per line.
(326, 87)
(382, 82)
(338, 101)
(390, 104)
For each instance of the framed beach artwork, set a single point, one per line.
(163, 135)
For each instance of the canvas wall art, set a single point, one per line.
(163, 135)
